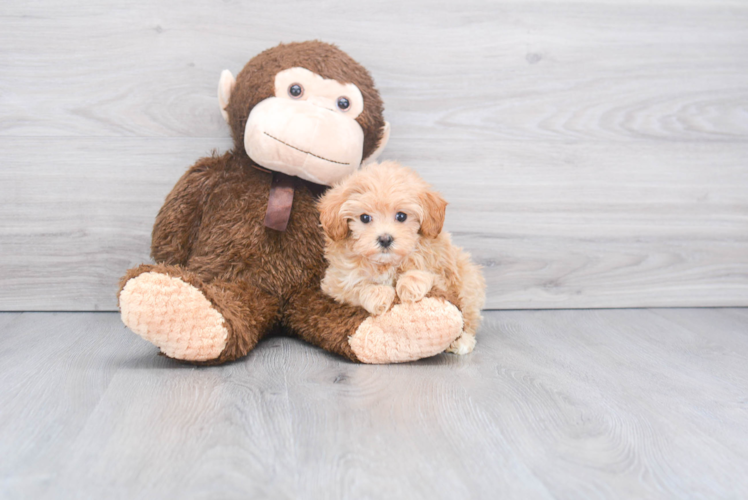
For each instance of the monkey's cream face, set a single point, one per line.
(308, 129)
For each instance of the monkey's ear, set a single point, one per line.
(330, 206)
(225, 87)
(434, 210)
(380, 147)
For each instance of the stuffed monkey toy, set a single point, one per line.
(238, 245)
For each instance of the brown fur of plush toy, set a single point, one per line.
(210, 234)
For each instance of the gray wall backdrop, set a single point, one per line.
(594, 153)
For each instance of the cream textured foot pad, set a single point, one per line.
(173, 315)
(407, 332)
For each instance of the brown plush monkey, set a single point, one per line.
(238, 245)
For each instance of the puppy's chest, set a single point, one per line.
(384, 277)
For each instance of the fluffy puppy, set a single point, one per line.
(383, 226)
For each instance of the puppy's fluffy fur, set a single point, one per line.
(383, 226)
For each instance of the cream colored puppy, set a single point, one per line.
(383, 226)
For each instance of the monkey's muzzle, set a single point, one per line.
(303, 139)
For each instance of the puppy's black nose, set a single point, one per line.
(385, 240)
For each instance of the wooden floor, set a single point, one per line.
(643, 403)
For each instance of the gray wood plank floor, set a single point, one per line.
(552, 404)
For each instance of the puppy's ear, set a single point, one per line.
(434, 209)
(330, 205)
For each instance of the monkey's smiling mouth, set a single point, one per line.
(305, 152)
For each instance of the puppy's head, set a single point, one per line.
(381, 211)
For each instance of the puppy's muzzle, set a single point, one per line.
(385, 240)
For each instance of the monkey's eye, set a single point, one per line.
(365, 218)
(343, 103)
(400, 217)
(295, 90)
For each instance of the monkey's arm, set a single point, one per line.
(403, 333)
(178, 222)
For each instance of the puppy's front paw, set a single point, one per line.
(412, 286)
(463, 345)
(377, 298)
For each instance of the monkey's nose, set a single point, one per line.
(322, 102)
(385, 240)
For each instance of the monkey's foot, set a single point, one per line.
(407, 332)
(174, 316)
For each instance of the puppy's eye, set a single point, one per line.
(401, 217)
(365, 218)
(295, 90)
(343, 103)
